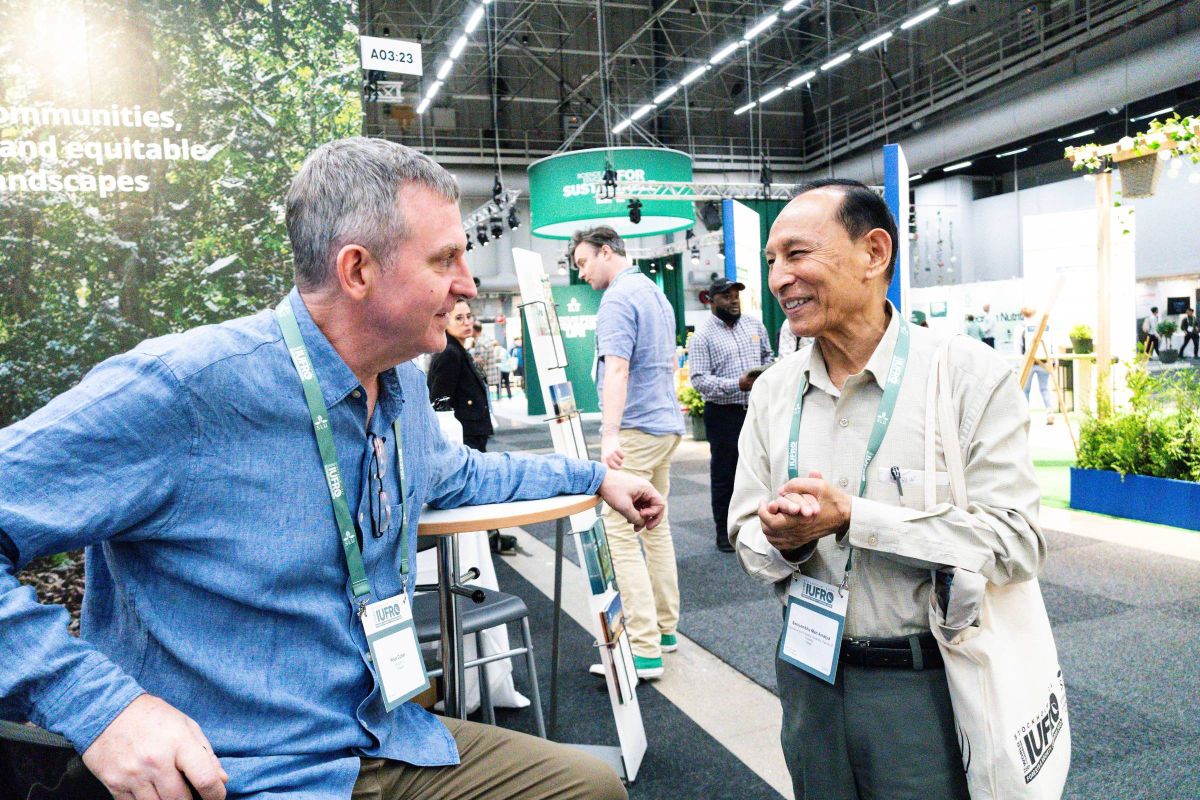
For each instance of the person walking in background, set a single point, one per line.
(1150, 329)
(1041, 367)
(455, 381)
(505, 369)
(641, 426)
(518, 355)
(1191, 333)
(987, 326)
(974, 330)
(483, 352)
(726, 354)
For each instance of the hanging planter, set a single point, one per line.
(1139, 176)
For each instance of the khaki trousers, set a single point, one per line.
(496, 763)
(649, 584)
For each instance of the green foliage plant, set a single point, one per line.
(1080, 331)
(691, 401)
(1167, 328)
(1157, 435)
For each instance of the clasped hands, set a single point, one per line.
(804, 510)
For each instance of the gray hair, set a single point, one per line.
(597, 237)
(345, 193)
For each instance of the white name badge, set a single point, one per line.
(812, 636)
(395, 651)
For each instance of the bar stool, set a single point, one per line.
(485, 609)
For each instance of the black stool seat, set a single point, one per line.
(497, 608)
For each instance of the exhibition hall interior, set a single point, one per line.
(195, 309)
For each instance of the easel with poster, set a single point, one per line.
(591, 542)
(1031, 355)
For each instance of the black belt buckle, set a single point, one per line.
(900, 652)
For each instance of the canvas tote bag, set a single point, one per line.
(1006, 685)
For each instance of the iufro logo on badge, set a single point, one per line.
(1035, 739)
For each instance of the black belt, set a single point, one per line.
(919, 651)
(742, 406)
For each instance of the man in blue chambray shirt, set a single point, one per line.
(220, 641)
(640, 428)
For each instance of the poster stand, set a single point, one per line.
(606, 617)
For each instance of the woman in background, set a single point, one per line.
(455, 382)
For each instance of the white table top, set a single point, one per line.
(442, 521)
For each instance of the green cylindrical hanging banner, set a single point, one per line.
(566, 192)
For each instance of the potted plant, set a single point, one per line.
(692, 404)
(1081, 339)
(1166, 353)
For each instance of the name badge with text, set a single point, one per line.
(813, 624)
(395, 651)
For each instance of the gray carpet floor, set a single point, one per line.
(1125, 620)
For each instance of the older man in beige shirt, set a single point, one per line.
(880, 723)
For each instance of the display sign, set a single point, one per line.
(895, 194)
(391, 55)
(567, 192)
(743, 253)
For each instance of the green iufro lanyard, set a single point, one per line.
(883, 417)
(333, 473)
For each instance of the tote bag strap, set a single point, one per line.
(939, 405)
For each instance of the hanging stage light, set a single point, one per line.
(497, 190)
(635, 211)
(610, 181)
(496, 224)
(470, 244)
(514, 221)
(481, 235)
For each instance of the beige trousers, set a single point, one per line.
(649, 584)
(496, 764)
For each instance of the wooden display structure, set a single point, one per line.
(1031, 355)
(587, 528)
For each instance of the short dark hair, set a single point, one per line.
(597, 237)
(1153, 309)
(861, 211)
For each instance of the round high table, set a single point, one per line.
(445, 524)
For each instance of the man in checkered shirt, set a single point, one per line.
(725, 355)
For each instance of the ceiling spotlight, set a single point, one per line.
(470, 244)
(496, 224)
(635, 211)
(610, 181)
(497, 190)
(514, 221)
(481, 234)
(695, 256)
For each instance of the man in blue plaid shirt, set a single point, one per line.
(726, 354)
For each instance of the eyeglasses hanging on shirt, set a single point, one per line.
(380, 505)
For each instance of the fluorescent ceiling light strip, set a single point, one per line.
(1088, 132)
(693, 75)
(788, 6)
(643, 111)
(444, 69)
(765, 23)
(474, 20)
(459, 46)
(833, 62)
(1158, 113)
(917, 176)
(954, 2)
(423, 106)
(724, 52)
(744, 108)
(959, 165)
(665, 94)
(869, 43)
(919, 18)
(433, 90)
(1012, 152)
(771, 95)
(622, 125)
(799, 79)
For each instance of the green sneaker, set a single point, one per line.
(669, 643)
(647, 667)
